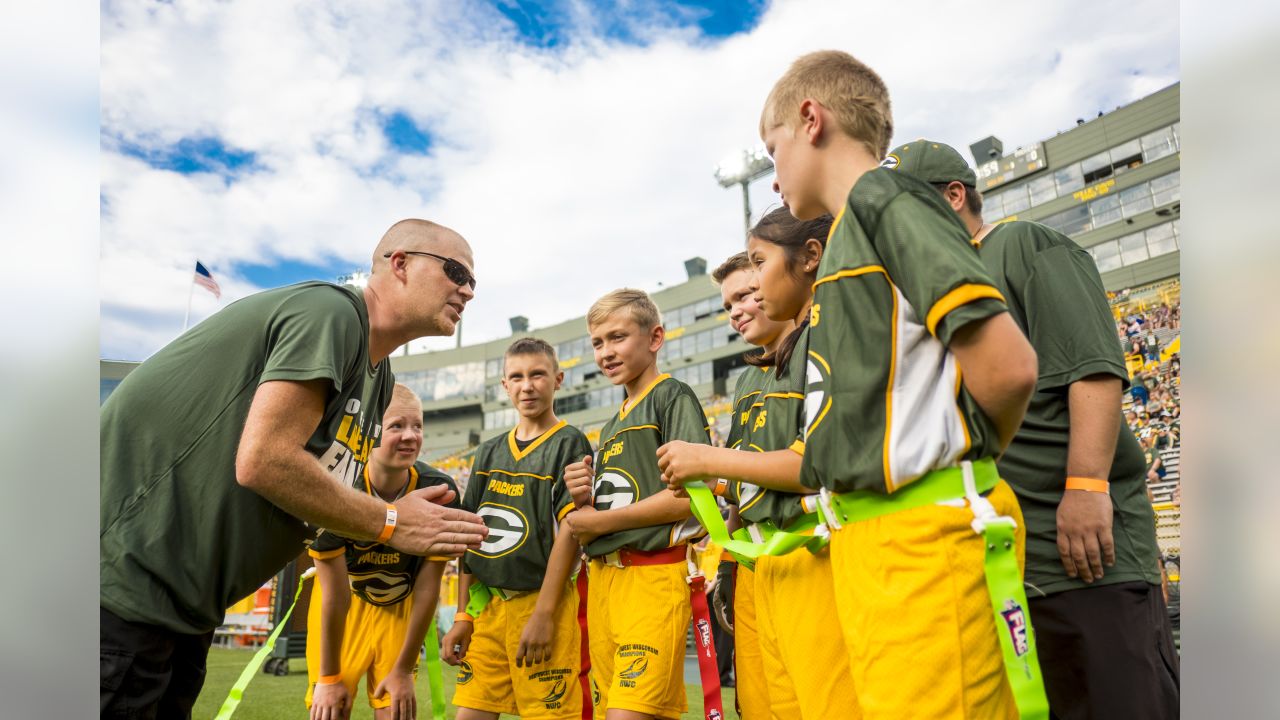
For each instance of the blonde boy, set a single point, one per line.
(371, 604)
(917, 378)
(635, 530)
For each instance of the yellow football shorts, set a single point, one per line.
(637, 619)
(917, 620)
(371, 642)
(748, 664)
(806, 667)
(488, 678)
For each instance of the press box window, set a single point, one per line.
(1161, 240)
(1015, 200)
(1126, 157)
(1136, 199)
(1072, 221)
(1069, 179)
(1133, 249)
(1166, 189)
(1042, 189)
(1106, 210)
(1106, 255)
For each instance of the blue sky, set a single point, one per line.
(277, 142)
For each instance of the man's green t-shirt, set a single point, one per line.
(627, 462)
(1056, 296)
(897, 280)
(180, 539)
(380, 574)
(521, 495)
(775, 422)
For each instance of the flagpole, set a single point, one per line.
(191, 288)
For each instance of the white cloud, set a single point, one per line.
(573, 170)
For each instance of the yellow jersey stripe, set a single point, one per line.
(519, 474)
(519, 454)
(326, 554)
(958, 297)
(888, 391)
(866, 269)
(630, 403)
(637, 427)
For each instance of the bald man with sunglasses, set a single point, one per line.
(230, 449)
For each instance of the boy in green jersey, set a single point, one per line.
(371, 605)
(1105, 640)
(917, 378)
(522, 654)
(737, 292)
(634, 529)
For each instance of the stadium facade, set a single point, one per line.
(1111, 183)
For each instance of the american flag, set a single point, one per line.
(204, 279)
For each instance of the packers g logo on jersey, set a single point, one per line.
(614, 489)
(381, 587)
(816, 400)
(508, 529)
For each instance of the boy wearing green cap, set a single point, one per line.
(1105, 641)
(916, 378)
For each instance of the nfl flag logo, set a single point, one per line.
(1015, 619)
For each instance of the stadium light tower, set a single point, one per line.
(740, 169)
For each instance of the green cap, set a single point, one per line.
(932, 162)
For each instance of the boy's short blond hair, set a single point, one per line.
(402, 394)
(642, 308)
(853, 92)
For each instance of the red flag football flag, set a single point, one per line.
(204, 279)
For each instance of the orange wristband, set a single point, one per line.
(329, 679)
(1088, 485)
(459, 617)
(390, 527)
(722, 487)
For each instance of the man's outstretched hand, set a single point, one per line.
(425, 527)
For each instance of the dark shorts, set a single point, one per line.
(148, 671)
(1107, 652)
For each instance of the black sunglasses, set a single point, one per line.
(454, 270)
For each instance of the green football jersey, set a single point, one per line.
(522, 497)
(745, 393)
(776, 422)
(898, 278)
(379, 574)
(180, 540)
(627, 463)
(1056, 296)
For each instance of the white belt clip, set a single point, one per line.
(694, 570)
(984, 513)
(827, 511)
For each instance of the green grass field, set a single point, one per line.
(271, 698)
